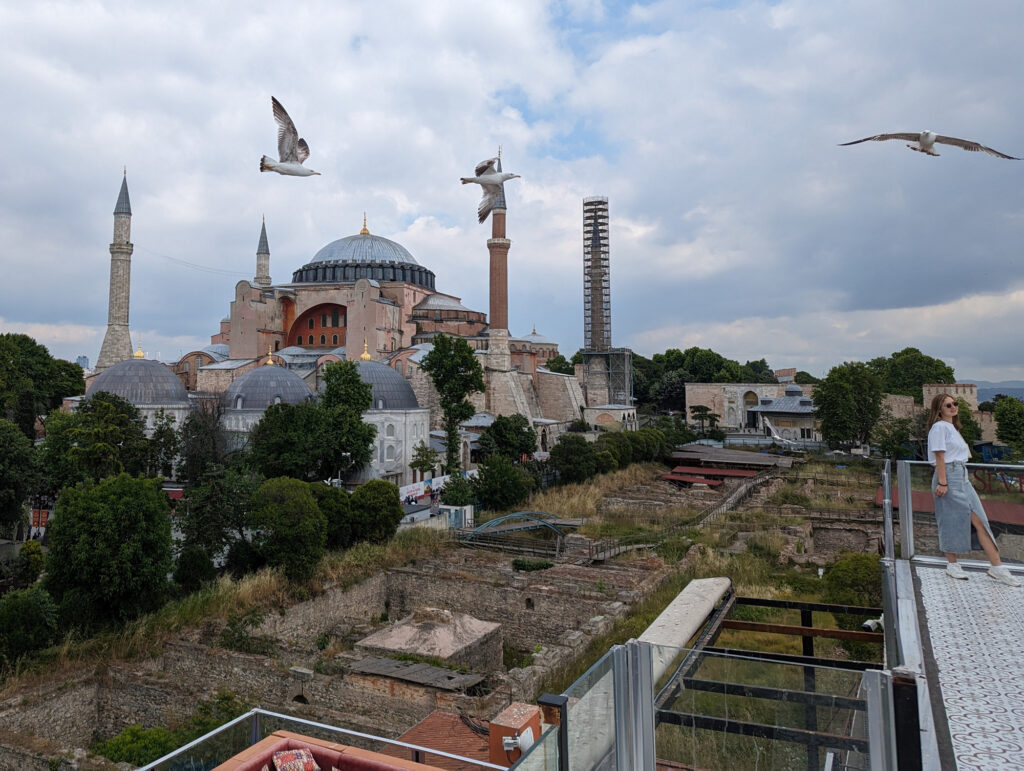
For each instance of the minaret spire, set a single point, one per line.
(262, 278)
(117, 343)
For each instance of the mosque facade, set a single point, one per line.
(366, 298)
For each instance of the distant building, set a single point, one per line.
(83, 362)
(790, 416)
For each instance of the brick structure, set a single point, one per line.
(117, 343)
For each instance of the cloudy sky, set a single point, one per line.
(737, 223)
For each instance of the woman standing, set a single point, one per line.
(957, 506)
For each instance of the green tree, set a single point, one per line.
(376, 511)
(674, 428)
(510, 435)
(669, 391)
(336, 507)
(28, 622)
(202, 444)
(806, 378)
(110, 550)
(970, 429)
(17, 464)
(458, 491)
(854, 579)
(573, 458)
(906, 371)
(616, 443)
(214, 512)
(560, 365)
(164, 445)
(500, 484)
(456, 373)
(31, 561)
(288, 441)
(348, 441)
(105, 436)
(289, 529)
(424, 459)
(33, 382)
(193, 568)
(848, 402)
(702, 413)
(1010, 422)
(891, 435)
(757, 372)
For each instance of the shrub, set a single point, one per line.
(193, 569)
(336, 507)
(28, 622)
(138, 745)
(243, 558)
(854, 579)
(573, 458)
(31, 561)
(604, 462)
(500, 484)
(458, 492)
(290, 529)
(527, 565)
(238, 634)
(376, 511)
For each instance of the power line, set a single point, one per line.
(192, 265)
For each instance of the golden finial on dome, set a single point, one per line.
(365, 231)
(270, 357)
(365, 355)
(138, 351)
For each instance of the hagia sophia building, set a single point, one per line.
(363, 298)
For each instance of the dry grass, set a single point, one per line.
(581, 500)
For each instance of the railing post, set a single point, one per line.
(256, 727)
(887, 526)
(906, 510)
(556, 712)
(880, 720)
(634, 706)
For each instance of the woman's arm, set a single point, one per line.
(940, 472)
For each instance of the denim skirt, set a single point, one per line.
(953, 511)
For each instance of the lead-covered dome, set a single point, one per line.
(141, 382)
(391, 391)
(363, 255)
(265, 386)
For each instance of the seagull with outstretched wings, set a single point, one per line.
(925, 141)
(291, 150)
(490, 179)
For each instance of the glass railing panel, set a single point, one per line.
(592, 718)
(717, 711)
(543, 755)
(1000, 487)
(210, 751)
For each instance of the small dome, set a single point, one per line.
(264, 386)
(141, 381)
(794, 390)
(391, 391)
(364, 247)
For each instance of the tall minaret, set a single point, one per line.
(263, 259)
(498, 357)
(117, 343)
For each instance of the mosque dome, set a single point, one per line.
(391, 391)
(141, 381)
(264, 386)
(363, 255)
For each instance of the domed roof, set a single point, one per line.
(140, 381)
(264, 386)
(391, 391)
(364, 247)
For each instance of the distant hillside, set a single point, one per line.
(987, 394)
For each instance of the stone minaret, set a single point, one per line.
(263, 259)
(498, 357)
(117, 343)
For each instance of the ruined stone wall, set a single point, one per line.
(64, 712)
(359, 604)
(832, 539)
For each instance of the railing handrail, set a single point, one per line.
(972, 464)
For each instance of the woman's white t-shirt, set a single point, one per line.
(943, 437)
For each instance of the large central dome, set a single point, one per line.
(363, 255)
(364, 247)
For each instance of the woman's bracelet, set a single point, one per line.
(942, 484)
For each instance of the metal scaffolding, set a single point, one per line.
(608, 377)
(597, 303)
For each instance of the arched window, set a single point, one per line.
(238, 402)
(334, 318)
(311, 336)
(390, 430)
(389, 453)
(334, 339)
(277, 400)
(311, 322)
(323, 339)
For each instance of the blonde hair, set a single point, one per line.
(935, 412)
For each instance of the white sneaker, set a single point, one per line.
(953, 570)
(1003, 575)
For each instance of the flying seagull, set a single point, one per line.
(291, 150)
(925, 143)
(491, 180)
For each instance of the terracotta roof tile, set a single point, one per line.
(447, 732)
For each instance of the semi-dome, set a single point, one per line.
(141, 381)
(264, 386)
(363, 255)
(391, 391)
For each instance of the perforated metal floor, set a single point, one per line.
(976, 632)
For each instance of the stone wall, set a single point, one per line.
(303, 623)
(900, 406)
(830, 539)
(64, 712)
(560, 396)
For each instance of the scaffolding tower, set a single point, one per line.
(597, 303)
